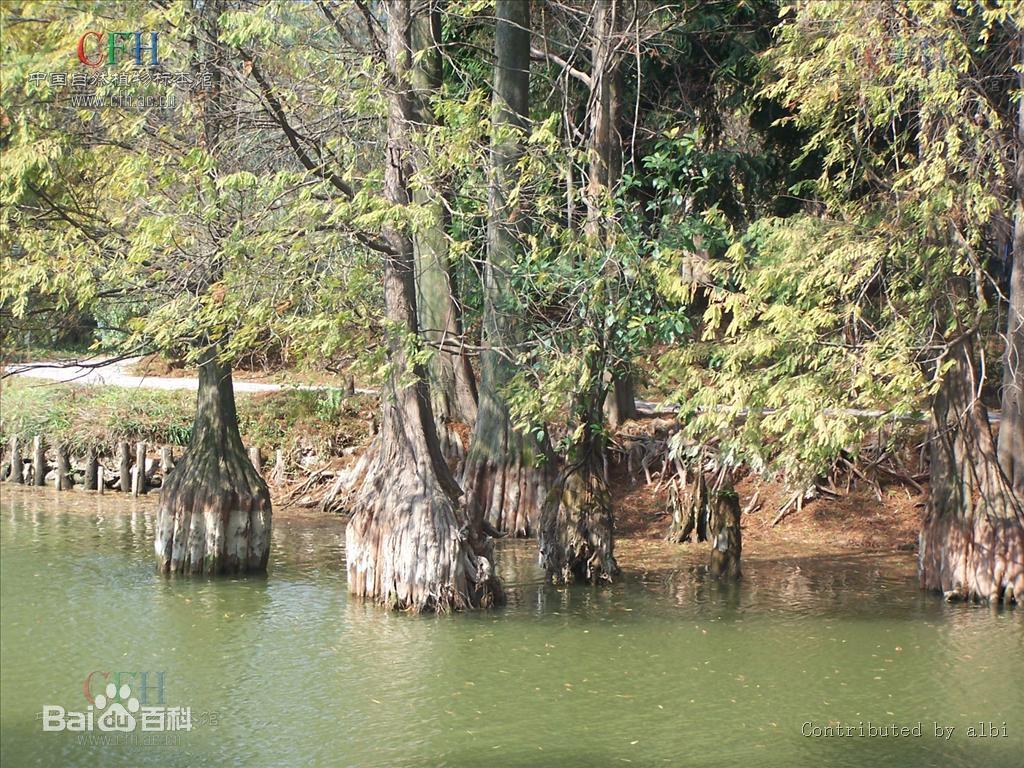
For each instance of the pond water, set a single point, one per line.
(662, 668)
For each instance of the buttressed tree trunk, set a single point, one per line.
(408, 543)
(576, 533)
(507, 473)
(452, 383)
(214, 515)
(972, 539)
(726, 536)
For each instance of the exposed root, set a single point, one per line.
(690, 505)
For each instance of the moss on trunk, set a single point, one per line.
(576, 532)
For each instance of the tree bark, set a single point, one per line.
(726, 535)
(576, 537)
(408, 543)
(507, 473)
(620, 403)
(214, 515)
(139, 478)
(606, 152)
(577, 542)
(452, 384)
(63, 481)
(1011, 425)
(972, 539)
(125, 462)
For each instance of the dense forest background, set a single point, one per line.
(800, 223)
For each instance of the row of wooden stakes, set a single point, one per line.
(132, 475)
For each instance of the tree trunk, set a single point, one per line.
(38, 462)
(576, 536)
(139, 478)
(577, 542)
(451, 380)
(620, 403)
(408, 544)
(63, 481)
(166, 463)
(726, 536)
(972, 538)
(507, 473)
(1011, 426)
(576, 532)
(214, 515)
(125, 462)
(690, 503)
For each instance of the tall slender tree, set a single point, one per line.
(451, 378)
(507, 471)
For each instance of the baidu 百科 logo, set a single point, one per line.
(116, 711)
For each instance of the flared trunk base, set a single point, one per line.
(726, 536)
(980, 559)
(214, 517)
(507, 490)
(405, 546)
(576, 534)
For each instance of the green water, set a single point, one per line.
(660, 669)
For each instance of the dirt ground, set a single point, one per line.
(854, 522)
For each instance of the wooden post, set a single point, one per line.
(139, 480)
(125, 481)
(101, 481)
(166, 462)
(63, 482)
(256, 458)
(38, 461)
(277, 476)
(17, 470)
(91, 465)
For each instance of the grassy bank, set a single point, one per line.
(91, 416)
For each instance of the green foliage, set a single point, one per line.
(845, 308)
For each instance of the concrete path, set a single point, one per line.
(96, 371)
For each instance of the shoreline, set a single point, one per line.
(809, 536)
